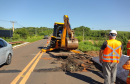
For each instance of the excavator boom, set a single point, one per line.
(69, 42)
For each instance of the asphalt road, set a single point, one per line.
(32, 67)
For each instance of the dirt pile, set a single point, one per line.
(76, 62)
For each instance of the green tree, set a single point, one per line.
(22, 32)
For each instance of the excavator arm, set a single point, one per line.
(67, 25)
(68, 42)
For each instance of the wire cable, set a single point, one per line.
(5, 20)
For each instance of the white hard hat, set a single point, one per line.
(113, 31)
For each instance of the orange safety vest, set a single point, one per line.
(112, 52)
(127, 67)
(128, 49)
(128, 75)
(128, 45)
(128, 78)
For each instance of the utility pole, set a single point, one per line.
(83, 34)
(35, 32)
(13, 24)
(13, 27)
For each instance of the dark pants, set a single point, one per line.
(109, 72)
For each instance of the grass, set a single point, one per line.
(32, 39)
(16, 44)
(89, 46)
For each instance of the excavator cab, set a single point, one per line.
(57, 32)
(58, 28)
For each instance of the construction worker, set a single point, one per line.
(127, 64)
(127, 67)
(128, 48)
(109, 56)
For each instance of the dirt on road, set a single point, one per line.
(92, 53)
(80, 63)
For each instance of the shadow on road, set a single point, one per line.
(96, 72)
(2, 65)
(42, 47)
(99, 67)
(9, 71)
(83, 78)
(51, 55)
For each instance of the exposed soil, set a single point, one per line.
(92, 53)
(80, 63)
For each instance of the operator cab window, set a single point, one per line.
(59, 30)
(2, 44)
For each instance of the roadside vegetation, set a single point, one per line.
(28, 34)
(93, 39)
(90, 45)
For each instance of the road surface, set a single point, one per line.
(29, 66)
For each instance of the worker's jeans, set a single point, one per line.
(109, 72)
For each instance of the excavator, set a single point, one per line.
(63, 37)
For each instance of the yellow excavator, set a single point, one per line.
(63, 37)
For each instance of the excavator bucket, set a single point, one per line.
(71, 43)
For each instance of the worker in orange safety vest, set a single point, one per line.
(109, 56)
(128, 48)
(127, 67)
